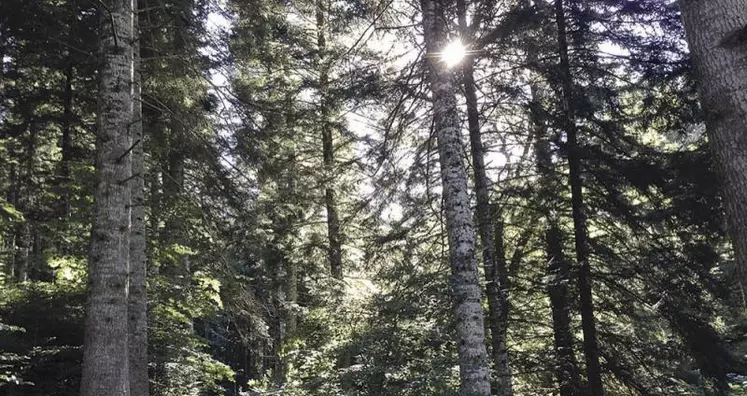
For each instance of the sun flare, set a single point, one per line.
(453, 53)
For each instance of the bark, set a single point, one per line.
(558, 268)
(557, 288)
(68, 118)
(154, 217)
(25, 204)
(292, 298)
(588, 325)
(496, 278)
(105, 352)
(503, 384)
(716, 36)
(330, 194)
(138, 298)
(12, 198)
(279, 370)
(23, 250)
(473, 359)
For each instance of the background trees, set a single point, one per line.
(253, 111)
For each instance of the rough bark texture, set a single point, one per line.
(330, 199)
(588, 325)
(494, 266)
(473, 362)
(105, 362)
(138, 298)
(718, 44)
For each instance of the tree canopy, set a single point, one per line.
(372, 197)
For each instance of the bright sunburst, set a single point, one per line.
(453, 53)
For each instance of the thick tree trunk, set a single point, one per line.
(473, 359)
(330, 195)
(588, 325)
(718, 44)
(105, 361)
(138, 297)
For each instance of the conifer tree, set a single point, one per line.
(105, 359)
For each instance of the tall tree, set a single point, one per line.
(105, 362)
(137, 307)
(325, 113)
(473, 359)
(558, 268)
(496, 284)
(580, 231)
(716, 35)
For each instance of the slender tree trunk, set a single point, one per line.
(557, 289)
(105, 352)
(26, 198)
(154, 217)
(292, 298)
(66, 141)
(23, 250)
(473, 359)
(330, 199)
(503, 384)
(588, 325)
(281, 324)
(496, 282)
(138, 297)
(12, 198)
(716, 35)
(175, 230)
(558, 268)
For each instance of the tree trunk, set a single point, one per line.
(12, 198)
(138, 297)
(105, 361)
(557, 288)
(154, 218)
(473, 360)
(716, 35)
(23, 250)
(25, 204)
(588, 325)
(495, 274)
(330, 200)
(558, 268)
(66, 143)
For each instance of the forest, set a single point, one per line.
(373, 197)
